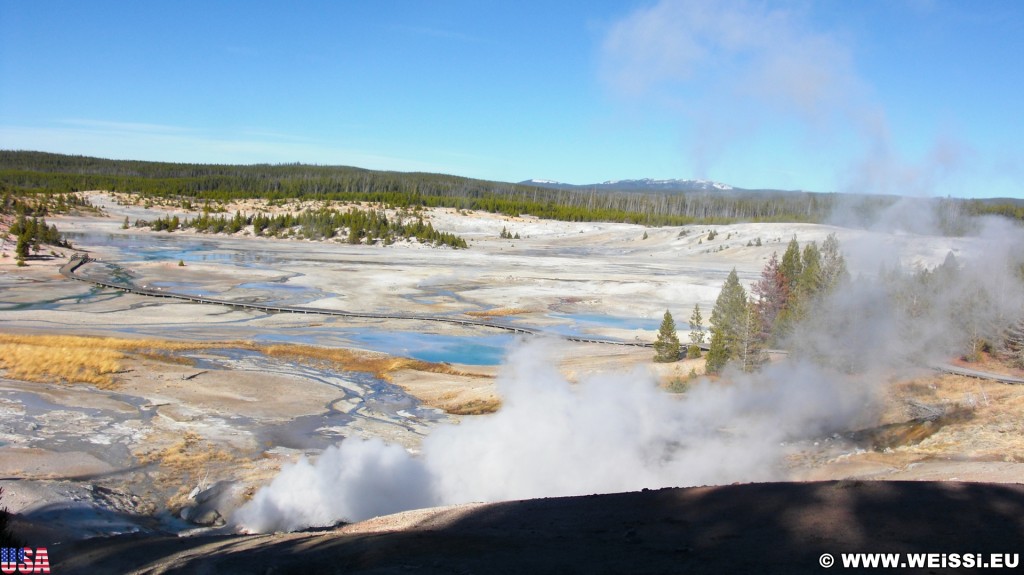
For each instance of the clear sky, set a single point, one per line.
(922, 97)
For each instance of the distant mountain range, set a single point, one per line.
(643, 185)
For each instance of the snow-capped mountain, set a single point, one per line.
(648, 183)
(645, 184)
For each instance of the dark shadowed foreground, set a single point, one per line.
(775, 527)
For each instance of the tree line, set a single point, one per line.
(56, 173)
(744, 325)
(45, 173)
(358, 226)
(807, 303)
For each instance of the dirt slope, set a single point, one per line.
(780, 527)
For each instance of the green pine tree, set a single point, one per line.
(728, 320)
(792, 265)
(666, 347)
(696, 332)
(751, 345)
(718, 355)
(21, 249)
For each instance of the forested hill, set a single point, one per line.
(40, 172)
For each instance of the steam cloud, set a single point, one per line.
(620, 432)
(609, 433)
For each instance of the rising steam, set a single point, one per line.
(606, 434)
(620, 432)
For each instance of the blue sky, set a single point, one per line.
(919, 97)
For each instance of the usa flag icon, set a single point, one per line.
(12, 555)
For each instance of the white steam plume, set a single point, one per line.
(619, 432)
(609, 433)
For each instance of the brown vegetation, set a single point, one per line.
(184, 463)
(384, 367)
(380, 365)
(498, 312)
(96, 360)
(943, 416)
(82, 359)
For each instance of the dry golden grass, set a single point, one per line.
(475, 407)
(164, 357)
(379, 365)
(499, 312)
(96, 360)
(190, 454)
(83, 359)
(67, 363)
(993, 431)
(184, 462)
(383, 366)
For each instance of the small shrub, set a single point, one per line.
(7, 538)
(693, 352)
(678, 385)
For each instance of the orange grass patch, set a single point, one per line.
(83, 359)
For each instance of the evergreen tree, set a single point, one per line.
(808, 284)
(791, 264)
(833, 264)
(666, 347)
(750, 352)
(21, 249)
(772, 292)
(1013, 342)
(718, 355)
(728, 320)
(696, 332)
(790, 268)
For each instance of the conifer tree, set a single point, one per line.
(21, 249)
(696, 332)
(772, 293)
(718, 355)
(833, 264)
(666, 347)
(728, 320)
(750, 351)
(808, 284)
(791, 264)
